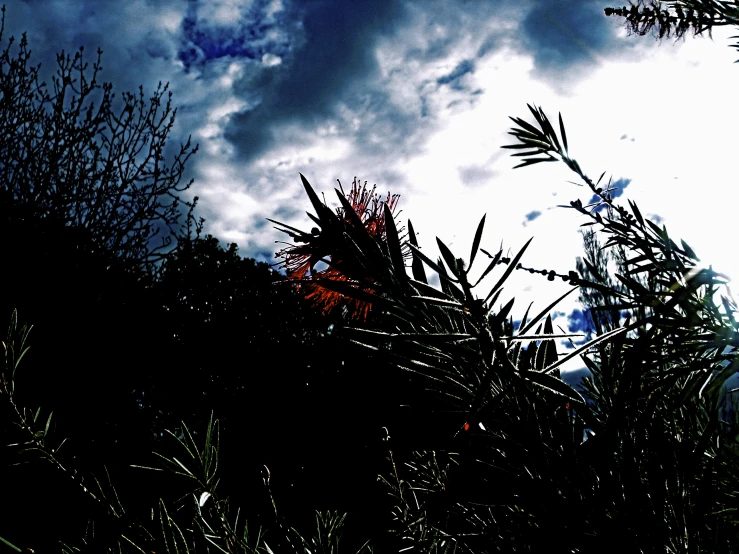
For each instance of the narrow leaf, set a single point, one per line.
(562, 130)
(428, 262)
(545, 311)
(393, 243)
(419, 273)
(583, 348)
(439, 302)
(449, 258)
(555, 385)
(476, 242)
(490, 267)
(689, 251)
(319, 206)
(510, 268)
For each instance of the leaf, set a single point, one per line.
(546, 126)
(424, 289)
(476, 242)
(583, 348)
(525, 316)
(657, 230)
(532, 161)
(509, 269)
(501, 316)
(10, 545)
(491, 266)
(562, 130)
(522, 338)
(712, 387)
(523, 124)
(637, 213)
(449, 258)
(48, 424)
(319, 206)
(438, 302)
(428, 262)
(393, 243)
(633, 285)
(593, 271)
(555, 385)
(174, 540)
(295, 230)
(447, 283)
(431, 338)
(419, 273)
(546, 354)
(546, 310)
(188, 473)
(689, 251)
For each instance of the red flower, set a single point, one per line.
(300, 260)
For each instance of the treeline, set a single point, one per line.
(140, 323)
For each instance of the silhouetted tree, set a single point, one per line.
(667, 18)
(75, 156)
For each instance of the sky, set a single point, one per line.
(415, 96)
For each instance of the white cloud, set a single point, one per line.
(270, 60)
(223, 12)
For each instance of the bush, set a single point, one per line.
(496, 452)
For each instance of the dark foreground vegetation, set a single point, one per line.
(348, 400)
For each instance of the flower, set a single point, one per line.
(368, 206)
(299, 261)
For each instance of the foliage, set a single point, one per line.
(529, 462)
(493, 452)
(73, 156)
(666, 18)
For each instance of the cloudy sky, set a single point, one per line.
(414, 96)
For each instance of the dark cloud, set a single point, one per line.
(563, 35)
(580, 322)
(254, 33)
(453, 79)
(333, 57)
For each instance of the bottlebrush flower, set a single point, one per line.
(325, 245)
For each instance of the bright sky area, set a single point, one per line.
(415, 97)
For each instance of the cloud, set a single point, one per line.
(476, 175)
(617, 189)
(213, 30)
(453, 79)
(562, 34)
(531, 216)
(329, 54)
(327, 87)
(579, 322)
(576, 377)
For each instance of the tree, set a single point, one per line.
(74, 158)
(666, 18)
